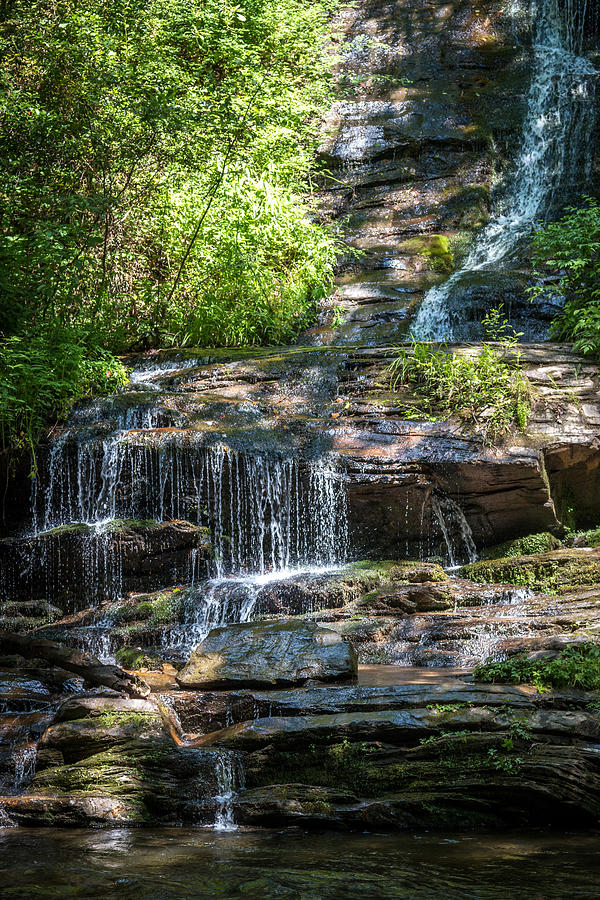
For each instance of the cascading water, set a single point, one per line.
(458, 536)
(230, 776)
(129, 462)
(265, 512)
(553, 166)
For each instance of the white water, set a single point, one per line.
(554, 157)
(265, 513)
(230, 778)
(455, 529)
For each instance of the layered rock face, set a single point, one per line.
(234, 522)
(433, 98)
(318, 437)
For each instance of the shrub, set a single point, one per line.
(485, 389)
(42, 373)
(578, 666)
(569, 250)
(158, 157)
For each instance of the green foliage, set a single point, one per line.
(569, 250)
(445, 738)
(155, 187)
(155, 157)
(577, 666)
(484, 389)
(589, 538)
(543, 542)
(42, 373)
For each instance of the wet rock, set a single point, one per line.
(284, 652)
(412, 144)
(81, 664)
(113, 760)
(560, 571)
(202, 712)
(308, 593)
(474, 766)
(85, 563)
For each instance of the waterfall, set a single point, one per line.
(455, 529)
(230, 778)
(554, 160)
(265, 513)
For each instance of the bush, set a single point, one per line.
(158, 156)
(485, 389)
(578, 666)
(569, 250)
(42, 373)
(155, 188)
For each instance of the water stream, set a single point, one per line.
(553, 165)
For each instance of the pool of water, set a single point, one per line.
(185, 864)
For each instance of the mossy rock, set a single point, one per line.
(433, 247)
(403, 571)
(134, 658)
(585, 539)
(361, 768)
(558, 572)
(542, 542)
(158, 608)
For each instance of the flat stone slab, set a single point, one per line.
(269, 653)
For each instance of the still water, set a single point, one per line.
(185, 864)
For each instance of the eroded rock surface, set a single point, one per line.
(410, 150)
(288, 651)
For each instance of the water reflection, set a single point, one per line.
(186, 864)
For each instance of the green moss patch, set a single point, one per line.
(558, 572)
(135, 658)
(433, 247)
(407, 572)
(523, 546)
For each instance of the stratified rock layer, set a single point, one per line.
(289, 651)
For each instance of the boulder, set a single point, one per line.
(269, 653)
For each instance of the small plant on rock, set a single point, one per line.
(485, 389)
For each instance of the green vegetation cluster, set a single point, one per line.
(485, 389)
(155, 188)
(552, 573)
(566, 256)
(577, 666)
(542, 542)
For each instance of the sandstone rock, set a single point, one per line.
(124, 555)
(82, 664)
(271, 653)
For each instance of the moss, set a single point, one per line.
(117, 718)
(542, 542)
(161, 608)
(407, 572)
(557, 572)
(22, 623)
(136, 658)
(433, 247)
